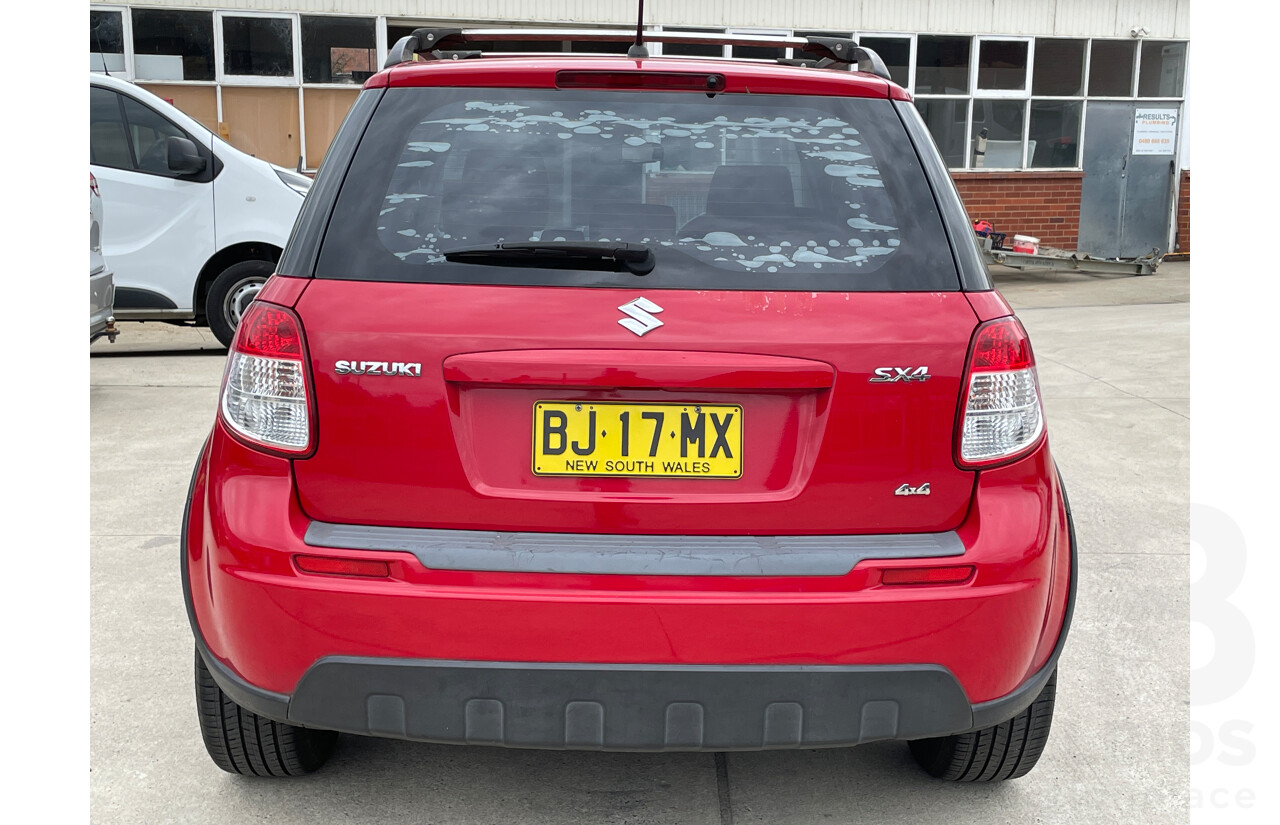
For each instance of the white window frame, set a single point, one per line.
(220, 57)
(1084, 71)
(991, 94)
(911, 51)
(966, 96)
(1137, 69)
(380, 40)
(915, 57)
(133, 74)
(1133, 69)
(379, 47)
(126, 28)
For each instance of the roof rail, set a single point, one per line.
(444, 44)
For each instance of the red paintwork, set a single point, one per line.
(271, 621)
(284, 290)
(989, 305)
(430, 452)
(540, 73)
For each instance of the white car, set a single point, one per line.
(196, 225)
(101, 288)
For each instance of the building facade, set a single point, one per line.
(1062, 119)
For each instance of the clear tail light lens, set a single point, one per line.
(1002, 416)
(266, 392)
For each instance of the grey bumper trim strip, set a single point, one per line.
(634, 555)
(646, 707)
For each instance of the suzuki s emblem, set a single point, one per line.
(640, 321)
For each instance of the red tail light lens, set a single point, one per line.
(270, 332)
(1002, 417)
(93, 185)
(342, 567)
(659, 81)
(266, 390)
(927, 575)
(1001, 345)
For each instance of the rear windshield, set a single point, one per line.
(742, 191)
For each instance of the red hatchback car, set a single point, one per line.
(629, 403)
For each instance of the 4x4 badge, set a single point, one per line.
(908, 490)
(640, 321)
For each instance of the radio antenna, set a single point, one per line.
(638, 49)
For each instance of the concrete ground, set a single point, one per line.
(1113, 363)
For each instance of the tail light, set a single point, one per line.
(266, 391)
(1002, 418)
(93, 185)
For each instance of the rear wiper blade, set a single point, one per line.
(598, 255)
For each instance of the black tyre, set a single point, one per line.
(230, 294)
(1005, 751)
(243, 742)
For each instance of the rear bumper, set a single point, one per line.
(628, 707)
(540, 660)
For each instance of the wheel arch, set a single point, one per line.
(230, 256)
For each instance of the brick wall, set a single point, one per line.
(1045, 205)
(1182, 243)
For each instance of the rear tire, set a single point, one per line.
(1004, 751)
(240, 741)
(230, 295)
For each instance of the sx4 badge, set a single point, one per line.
(893, 374)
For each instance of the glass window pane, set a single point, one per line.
(757, 52)
(946, 122)
(257, 46)
(1055, 133)
(1111, 68)
(108, 144)
(338, 49)
(106, 41)
(896, 54)
(1059, 68)
(1163, 67)
(694, 49)
(1002, 64)
(942, 65)
(149, 133)
(597, 47)
(791, 205)
(516, 46)
(1000, 122)
(172, 45)
(394, 33)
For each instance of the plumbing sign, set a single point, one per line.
(1155, 131)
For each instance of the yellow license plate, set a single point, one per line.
(646, 440)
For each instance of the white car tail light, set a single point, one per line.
(1002, 417)
(266, 389)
